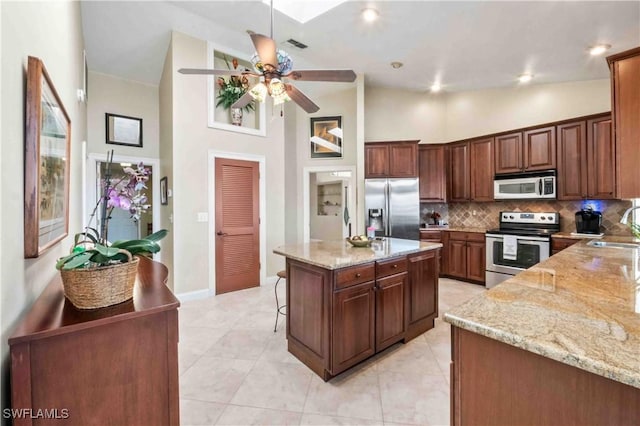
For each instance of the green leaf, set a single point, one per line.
(106, 251)
(157, 236)
(77, 261)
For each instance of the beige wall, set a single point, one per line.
(192, 141)
(109, 94)
(165, 151)
(481, 112)
(392, 114)
(51, 31)
(342, 102)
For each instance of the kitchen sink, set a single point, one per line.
(597, 243)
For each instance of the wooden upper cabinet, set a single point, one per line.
(458, 172)
(601, 152)
(376, 163)
(508, 153)
(432, 173)
(572, 161)
(526, 151)
(539, 146)
(625, 78)
(482, 171)
(586, 159)
(391, 159)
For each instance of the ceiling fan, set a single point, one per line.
(272, 65)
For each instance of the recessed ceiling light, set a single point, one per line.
(525, 78)
(370, 14)
(599, 49)
(436, 87)
(396, 65)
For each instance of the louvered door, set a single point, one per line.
(237, 225)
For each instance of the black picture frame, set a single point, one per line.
(320, 127)
(164, 184)
(123, 130)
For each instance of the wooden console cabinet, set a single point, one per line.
(116, 365)
(338, 318)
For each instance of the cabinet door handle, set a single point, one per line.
(395, 266)
(358, 275)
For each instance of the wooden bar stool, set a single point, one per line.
(279, 309)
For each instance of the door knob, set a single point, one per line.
(220, 233)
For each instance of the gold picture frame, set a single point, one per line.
(46, 168)
(326, 137)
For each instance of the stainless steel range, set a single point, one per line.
(522, 240)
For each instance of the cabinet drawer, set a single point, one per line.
(346, 277)
(391, 266)
(558, 244)
(466, 236)
(431, 235)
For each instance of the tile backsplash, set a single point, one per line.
(485, 215)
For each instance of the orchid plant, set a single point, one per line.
(91, 247)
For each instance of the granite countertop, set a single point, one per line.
(337, 254)
(580, 307)
(453, 228)
(573, 237)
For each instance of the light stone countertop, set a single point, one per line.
(453, 228)
(337, 254)
(580, 307)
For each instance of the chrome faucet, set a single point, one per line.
(625, 216)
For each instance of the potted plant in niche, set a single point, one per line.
(98, 273)
(230, 91)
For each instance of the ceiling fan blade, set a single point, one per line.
(301, 99)
(243, 101)
(209, 71)
(266, 49)
(346, 76)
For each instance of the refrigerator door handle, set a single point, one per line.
(387, 190)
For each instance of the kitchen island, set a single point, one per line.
(558, 343)
(344, 303)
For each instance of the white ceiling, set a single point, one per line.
(465, 45)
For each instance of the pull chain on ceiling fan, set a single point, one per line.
(272, 66)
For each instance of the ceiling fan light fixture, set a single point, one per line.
(276, 87)
(599, 49)
(370, 14)
(259, 92)
(281, 98)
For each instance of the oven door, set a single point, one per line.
(531, 250)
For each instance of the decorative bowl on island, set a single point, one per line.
(359, 241)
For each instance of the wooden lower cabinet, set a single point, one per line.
(354, 314)
(465, 256)
(335, 320)
(111, 366)
(435, 236)
(493, 383)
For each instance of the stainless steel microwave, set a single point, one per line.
(525, 186)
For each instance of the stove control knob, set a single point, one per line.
(504, 216)
(550, 217)
(543, 218)
(511, 217)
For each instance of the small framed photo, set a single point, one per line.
(123, 130)
(326, 137)
(163, 191)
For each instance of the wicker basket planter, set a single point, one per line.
(99, 287)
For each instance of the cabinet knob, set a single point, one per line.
(395, 266)
(358, 275)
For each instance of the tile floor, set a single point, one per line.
(234, 370)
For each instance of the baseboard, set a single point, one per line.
(194, 295)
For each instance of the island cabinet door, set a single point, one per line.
(421, 300)
(353, 326)
(390, 318)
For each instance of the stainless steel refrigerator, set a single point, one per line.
(392, 207)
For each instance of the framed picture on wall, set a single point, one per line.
(163, 191)
(326, 137)
(47, 155)
(123, 130)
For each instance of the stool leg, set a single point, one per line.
(277, 305)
